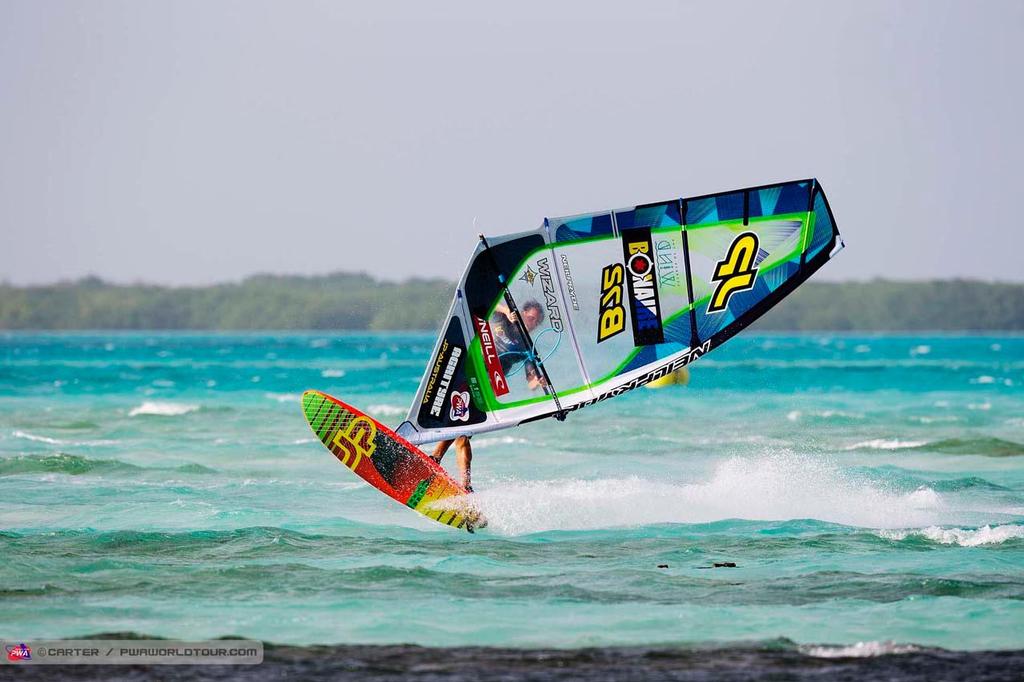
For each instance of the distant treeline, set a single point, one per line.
(338, 301)
(883, 305)
(357, 301)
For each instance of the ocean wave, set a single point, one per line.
(858, 650)
(162, 409)
(386, 410)
(966, 483)
(284, 397)
(928, 419)
(986, 446)
(988, 379)
(332, 373)
(965, 537)
(797, 415)
(484, 441)
(781, 486)
(75, 465)
(57, 441)
(38, 439)
(886, 444)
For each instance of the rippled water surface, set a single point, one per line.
(867, 488)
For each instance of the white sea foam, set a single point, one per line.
(775, 487)
(921, 350)
(162, 409)
(858, 650)
(795, 415)
(965, 537)
(925, 419)
(984, 379)
(332, 373)
(38, 439)
(386, 410)
(57, 441)
(886, 444)
(284, 397)
(484, 441)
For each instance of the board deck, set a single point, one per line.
(387, 461)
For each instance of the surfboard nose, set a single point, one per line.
(311, 401)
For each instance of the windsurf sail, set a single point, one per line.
(587, 307)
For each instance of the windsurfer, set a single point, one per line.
(512, 348)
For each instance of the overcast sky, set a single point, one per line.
(194, 142)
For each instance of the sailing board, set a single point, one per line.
(388, 462)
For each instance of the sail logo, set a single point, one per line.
(570, 286)
(355, 442)
(528, 276)
(550, 299)
(658, 372)
(611, 315)
(446, 381)
(643, 293)
(669, 276)
(735, 272)
(435, 372)
(460, 406)
(496, 375)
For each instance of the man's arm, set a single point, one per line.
(534, 380)
(502, 309)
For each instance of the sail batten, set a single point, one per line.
(587, 307)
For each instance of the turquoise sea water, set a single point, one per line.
(867, 488)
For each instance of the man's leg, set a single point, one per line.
(464, 454)
(440, 449)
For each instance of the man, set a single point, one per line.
(509, 342)
(512, 348)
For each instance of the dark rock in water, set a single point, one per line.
(662, 565)
(726, 564)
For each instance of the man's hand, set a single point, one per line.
(512, 316)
